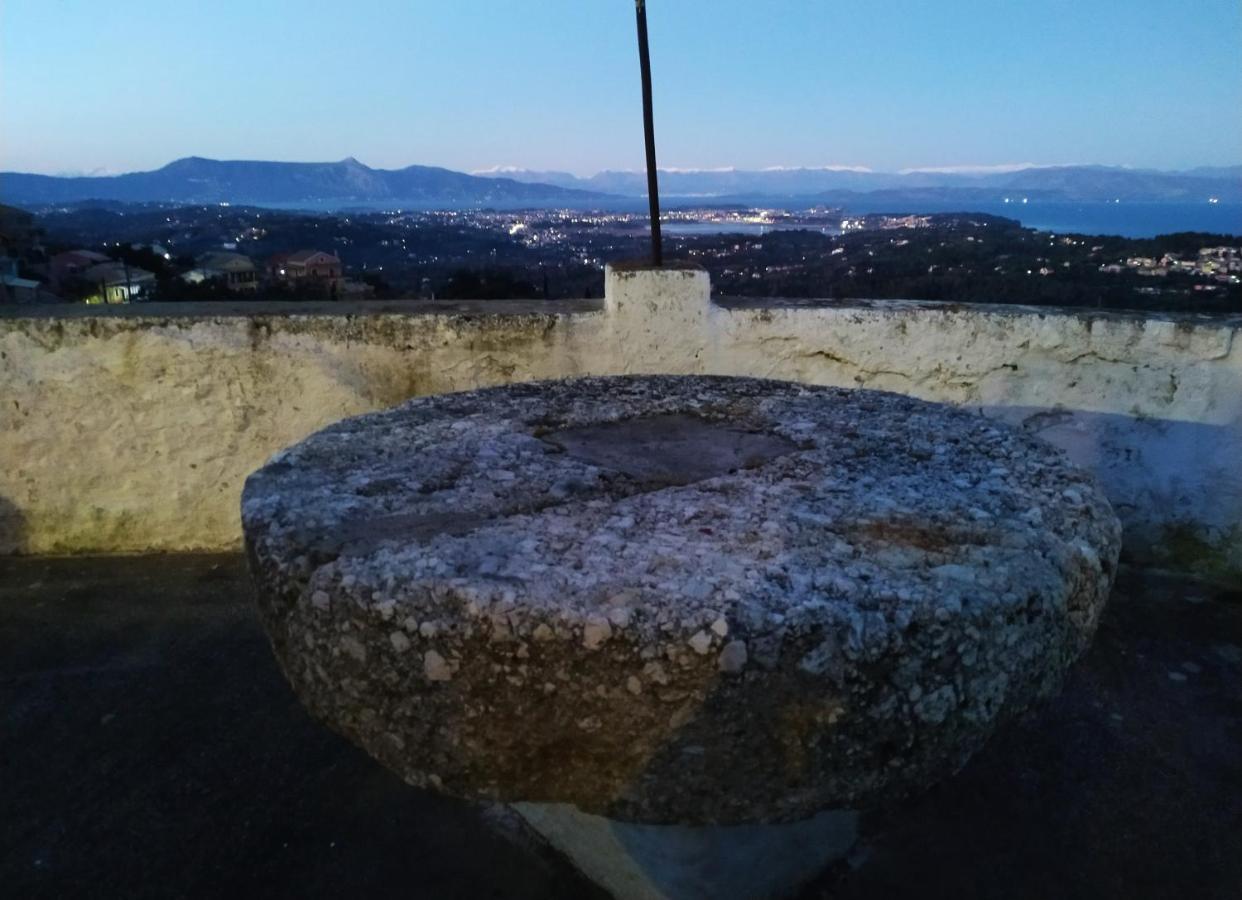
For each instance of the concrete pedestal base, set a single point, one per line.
(679, 862)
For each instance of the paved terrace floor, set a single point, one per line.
(150, 748)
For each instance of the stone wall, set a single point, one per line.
(133, 431)
(1152, 404)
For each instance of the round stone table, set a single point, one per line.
(677, 602)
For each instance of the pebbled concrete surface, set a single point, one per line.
(150, 748)
(676, 600)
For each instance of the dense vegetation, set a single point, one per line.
(968, 259)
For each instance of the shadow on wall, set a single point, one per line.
(1175, 485)
(377, 387)
(12, 528)
(469, 356)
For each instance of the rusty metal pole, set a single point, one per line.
(653, 190)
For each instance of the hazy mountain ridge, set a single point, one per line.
(1087, 183)
(198, 180)
(347, 183)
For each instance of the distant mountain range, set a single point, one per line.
(1066, 183)
(332, 185)
(349, 183)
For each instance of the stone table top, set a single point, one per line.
(675, 599)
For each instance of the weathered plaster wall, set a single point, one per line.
(1152, 404)
(134, 432)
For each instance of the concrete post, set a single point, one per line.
(682, 862)
(657, 318)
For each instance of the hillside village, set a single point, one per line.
(120, 253)
(32, 272)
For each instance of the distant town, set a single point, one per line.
(113, 252)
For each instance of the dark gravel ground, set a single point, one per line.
(150, 748)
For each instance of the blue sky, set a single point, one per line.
(130, 84)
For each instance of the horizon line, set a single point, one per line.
(502, 170)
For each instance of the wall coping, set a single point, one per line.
(227, 309)
(1086, 314)
(257, 309)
